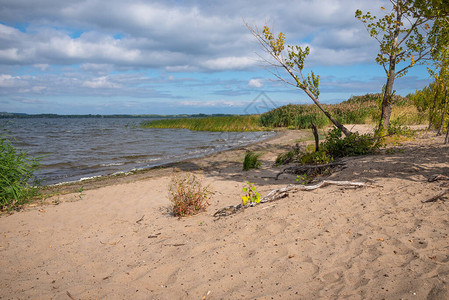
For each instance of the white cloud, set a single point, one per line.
(215, 103)
(8, 81)
(229, 63)
(100, 83)
(42, 67)
(255, 83)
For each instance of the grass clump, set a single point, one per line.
(187, 195)
(251, 161)
(227, 123)
(287, 157)
(17, 181)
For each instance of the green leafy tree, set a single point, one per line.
(402, 34)
(439, 39)
(292, 59)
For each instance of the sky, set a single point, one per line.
(180, 56)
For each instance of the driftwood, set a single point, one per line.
(437, 177)
(307, 169)
(282, 193)
(435, 198)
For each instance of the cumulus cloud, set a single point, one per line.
(172, 35)
(100, 82)
(255, 83)
(133, 48)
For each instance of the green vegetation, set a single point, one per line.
(335, 146)
(229, 123)
(315, 157)
(351, 145)
(251, 161)
(402, 34)
(187, 195)
(287, 157)
(249, 194)
(303, 179)
(17, 181)
(292, 58)
(357, 110)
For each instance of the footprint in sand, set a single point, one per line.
(333, 277)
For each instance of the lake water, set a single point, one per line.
(77, 148)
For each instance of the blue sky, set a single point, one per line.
(175, 56)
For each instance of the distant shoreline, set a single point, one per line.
(6, 115)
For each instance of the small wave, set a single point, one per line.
(91, 177)
(147, 160)
(112, 164)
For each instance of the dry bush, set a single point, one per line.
(187, 195)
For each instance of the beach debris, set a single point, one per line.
(140, 220)
(284, 192)
(309, 169)
(435, 198)
(113, 243)
(70, 295)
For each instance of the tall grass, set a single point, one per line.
(356, 110)
(228, 123)
(17, 181)
(251, 161)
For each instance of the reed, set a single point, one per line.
(228, 123)
(17, 181)
(356, 110)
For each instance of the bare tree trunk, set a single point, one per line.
(443, 113)
(337, 124)
(387, 104)
(315, 134)
(432, 109)
(446, 140)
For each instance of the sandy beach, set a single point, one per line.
(116, 239)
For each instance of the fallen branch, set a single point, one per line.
(140, 220)
(437, 177)
(284, 192)
(309, 168)
(435, 198)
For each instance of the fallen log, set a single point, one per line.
(282, 193)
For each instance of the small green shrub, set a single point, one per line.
(303, 179)
(351, 145)
(396, 128)
(187, 195)
(17, 181)
(251, 161)
(316, 157)
(249, 194)
(287, 157)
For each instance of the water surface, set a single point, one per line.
(77, 148)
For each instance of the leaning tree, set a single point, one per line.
(292, 61)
